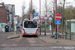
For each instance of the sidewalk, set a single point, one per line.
(61, 41)
(12, 34)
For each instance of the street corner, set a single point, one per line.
(13, 36)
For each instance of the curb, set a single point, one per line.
(47, 41)
(12, 37)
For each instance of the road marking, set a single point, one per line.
(8, 45)
(31, 40)
(14, 44)
(37, 45)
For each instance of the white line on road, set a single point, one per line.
(8, 45)
(31, 40)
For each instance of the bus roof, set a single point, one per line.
(29, 20)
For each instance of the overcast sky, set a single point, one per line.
(18, 4)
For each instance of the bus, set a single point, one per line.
(30, 27)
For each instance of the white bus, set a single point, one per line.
(30, 28)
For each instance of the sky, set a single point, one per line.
(18, 4)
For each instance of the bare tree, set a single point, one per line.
(47, 7)
(29, 11)
(23, 7)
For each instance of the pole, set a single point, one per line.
(40, 14)
(57, 33)
(50, 23)
(70, 29)
(55, 14)
(46, 14)
(23, 13)
(65, 29)
(15, 26)
(31, 6)
(14, 29)
(70, 24)
(31, 15)
(45, 27)
(50, 26)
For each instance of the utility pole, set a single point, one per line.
(31, 6)
(62, 18)
(55, 14)
(46, 15)
(40, 14)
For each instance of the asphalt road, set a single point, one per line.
(27, 43)
(21, 41)
(36, 48)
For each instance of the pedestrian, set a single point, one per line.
(6, 28)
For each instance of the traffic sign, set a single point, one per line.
(14, 16)
(36, 17)
(35, 14)
(58, 22)
(45, 16)
(58, 17)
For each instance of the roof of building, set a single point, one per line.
(71, 20)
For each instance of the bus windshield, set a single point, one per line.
(30, 24)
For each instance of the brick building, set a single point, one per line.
(3, 14)
(7, 13)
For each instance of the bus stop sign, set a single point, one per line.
(35, 14)
(58, 22)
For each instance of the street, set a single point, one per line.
(36, 48)
(21, 41)
(28, 43)
(52, 21)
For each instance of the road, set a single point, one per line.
(26, 43)
(21, 41)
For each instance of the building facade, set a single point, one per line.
(3, 14)
(7, 13)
